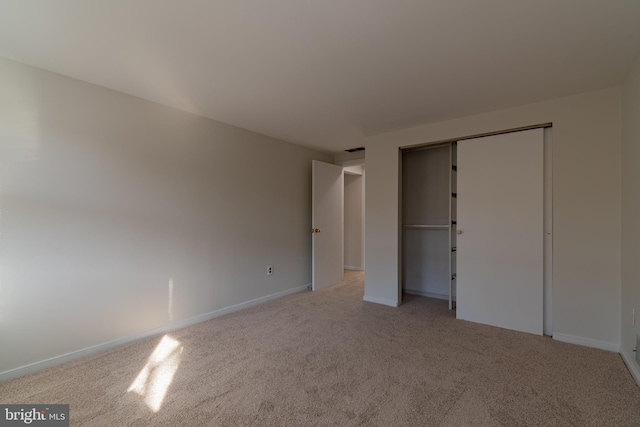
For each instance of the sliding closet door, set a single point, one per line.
(500, 231)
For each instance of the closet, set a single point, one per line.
(429, 221)
(476, 227)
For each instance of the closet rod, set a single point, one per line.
(434, 226)
(435, 144)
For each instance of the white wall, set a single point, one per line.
(353, 221)
(586, 207)
(107, 201)
(631, 215)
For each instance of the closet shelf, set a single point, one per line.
(428, 226)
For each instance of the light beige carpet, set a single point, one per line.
(328, 358)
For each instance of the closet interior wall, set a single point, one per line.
(428, 222)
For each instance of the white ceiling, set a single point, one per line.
(327, 73)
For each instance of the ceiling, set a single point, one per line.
(328, 73)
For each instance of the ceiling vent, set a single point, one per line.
(353, 150)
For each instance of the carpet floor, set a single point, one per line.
(328, 358)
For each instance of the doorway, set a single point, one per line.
(329, 224)
(354, 217)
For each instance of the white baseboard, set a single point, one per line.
(427, 294)
(88, 351)
(587, 342)
(383, 301)
(351, 267)
(629, 360)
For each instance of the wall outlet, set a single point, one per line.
(269, 270)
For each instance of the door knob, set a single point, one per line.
(459, 231)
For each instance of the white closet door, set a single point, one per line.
(500, 225)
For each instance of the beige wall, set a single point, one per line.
(119, 216)
(586, 207)
(631, 215)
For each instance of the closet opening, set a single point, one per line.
(428, 214)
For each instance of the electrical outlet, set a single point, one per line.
(269, 270)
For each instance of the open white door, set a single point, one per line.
(500, 224)
(327, 221)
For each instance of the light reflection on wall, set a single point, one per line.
(153, 381)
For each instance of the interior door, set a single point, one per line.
(327, 221)
(500, 224)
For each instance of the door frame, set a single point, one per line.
(344, 164)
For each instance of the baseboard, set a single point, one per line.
(428, 294)
(587, 342)
(98, 348)
(383, 301)
(629, 360)
(351, 267)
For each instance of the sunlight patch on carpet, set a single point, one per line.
(153, 381)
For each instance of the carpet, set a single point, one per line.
(327, 358)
